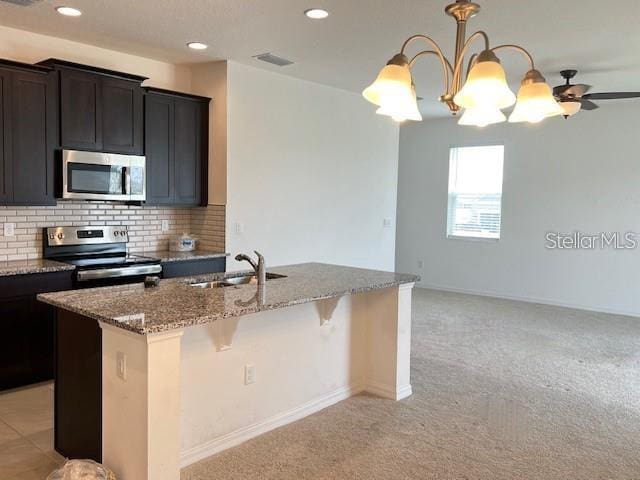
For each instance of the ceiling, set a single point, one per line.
(347, 49)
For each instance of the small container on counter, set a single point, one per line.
(151, 282)
(182, 243)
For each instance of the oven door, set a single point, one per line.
(102, 176)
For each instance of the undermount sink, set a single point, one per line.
(234, 281)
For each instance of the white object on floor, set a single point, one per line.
(82, 470)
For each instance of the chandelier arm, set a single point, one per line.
(519, 49)
(457, 69)
(472, 61)
(446, 65)
(447, 69)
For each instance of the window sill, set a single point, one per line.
(473, 239)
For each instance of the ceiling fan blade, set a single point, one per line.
(611, 95)
(560, 89)
(571, 90)
(588, 104)
(578, 90)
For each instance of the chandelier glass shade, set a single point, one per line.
(480, 89)
(481, 116)
(486, 86)
(570, 108)
(394, 91)
(405, 108)
(535, 100)
(394, 81)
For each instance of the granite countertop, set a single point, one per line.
(168, 256)
(175, 304)
(36, 265)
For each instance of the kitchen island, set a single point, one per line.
(188, 371)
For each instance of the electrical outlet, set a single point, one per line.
(249, 374)
(9, 230)
(420, 264)
(121, 366)
(165, 225)
(387, 222)
(239, 228)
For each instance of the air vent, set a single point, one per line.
(273, 59)
(22, 3)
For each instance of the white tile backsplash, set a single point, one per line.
(143, 222)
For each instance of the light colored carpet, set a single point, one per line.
(502, 390)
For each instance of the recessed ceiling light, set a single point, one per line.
(316, 13)
(197, 45)
(68, 11)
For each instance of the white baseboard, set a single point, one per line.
(237, 437)
(528, 299)
(386, 391)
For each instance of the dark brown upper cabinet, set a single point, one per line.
(28, 122)
(176, 147)
(100, 110)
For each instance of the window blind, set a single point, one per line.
(475, 192)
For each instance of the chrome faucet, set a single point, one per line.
(259, 268)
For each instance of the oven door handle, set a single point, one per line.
(102, 273)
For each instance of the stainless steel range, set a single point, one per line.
(99, 254)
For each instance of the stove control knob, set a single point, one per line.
(52, 236)
(123, 233)
(116, 233)
(60, 236)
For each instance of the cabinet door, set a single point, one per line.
(15, 345)
(159, 143)
(80, 110)
(32, 138)
(5, 138)
(121, 116)
(188, 152)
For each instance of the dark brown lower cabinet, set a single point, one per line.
(27, 326)
(187, 268)
(78, 392)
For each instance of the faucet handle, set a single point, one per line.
(259, 255)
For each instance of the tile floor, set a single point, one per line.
(26, 434)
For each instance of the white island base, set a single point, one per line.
(182, 395)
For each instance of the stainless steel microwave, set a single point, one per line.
(103, 176)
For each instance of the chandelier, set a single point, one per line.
(482, 92)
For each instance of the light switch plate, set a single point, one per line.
(249, 374)
(239, 228)
(387, 222)
(9, 230)
(165, 225)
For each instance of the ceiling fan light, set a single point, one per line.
(486, 85)
(402, 108)
(535, 100)
(570, 108)
(481, 117)
(393, 82)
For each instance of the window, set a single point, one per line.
(475, 192)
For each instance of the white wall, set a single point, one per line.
(312, 172)
(582, 174)
(30, 47)
(210, 80)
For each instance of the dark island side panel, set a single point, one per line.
(78, 391)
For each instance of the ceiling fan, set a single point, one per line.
(573, 98)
